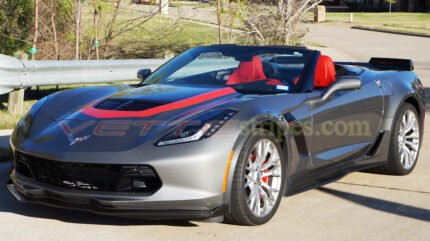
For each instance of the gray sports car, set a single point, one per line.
(219, 131)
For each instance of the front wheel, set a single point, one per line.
(405, 142)
(259, 180)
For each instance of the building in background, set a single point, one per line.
(382, 5)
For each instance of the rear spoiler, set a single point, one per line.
(385, 64)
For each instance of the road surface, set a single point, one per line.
(361, 45)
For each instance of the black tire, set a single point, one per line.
(394, 165)
(241, 213)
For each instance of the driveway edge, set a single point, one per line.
(391, 31)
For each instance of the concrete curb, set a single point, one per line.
(4, 145)
(391, 31)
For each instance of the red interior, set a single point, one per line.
(325, 73)
(247, 71)
(274, 82)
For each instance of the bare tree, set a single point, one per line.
(219, 10)
(268, 24)
(55, 26)
(77, 28)
(111, 24)
(36, 29)
(54, 33)
(95, 38)
(120, 19)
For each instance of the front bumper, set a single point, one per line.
(27, 191)
(192, 175)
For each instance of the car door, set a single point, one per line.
(346, 124)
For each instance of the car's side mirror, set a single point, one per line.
(343, 83)
(142, 74)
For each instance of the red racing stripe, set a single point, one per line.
(105, 114)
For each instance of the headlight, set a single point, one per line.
(197, 128)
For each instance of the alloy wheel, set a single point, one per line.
(263, 177)
(409, 139)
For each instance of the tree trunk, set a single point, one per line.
(36, 27)
(54, 31)
(280, 5)
(109, 36)
(96, 35)
(78, 28)
(218, 15)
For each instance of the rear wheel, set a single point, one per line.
(258, 181)
(405, 143)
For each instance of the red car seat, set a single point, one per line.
(325, 73)
(247, 71)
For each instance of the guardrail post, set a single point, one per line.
(16, 98)
(16, 102)
(164, 6)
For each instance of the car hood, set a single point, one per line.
(148, 102)
(158, 100)
(115, 119)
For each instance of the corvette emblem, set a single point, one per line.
(78, 139)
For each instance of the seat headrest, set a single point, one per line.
(325, 73)
(247, 71)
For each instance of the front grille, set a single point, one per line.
(94, 177)
(126, 105)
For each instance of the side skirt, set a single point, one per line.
(327, 177)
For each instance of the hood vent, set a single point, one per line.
(126, 105)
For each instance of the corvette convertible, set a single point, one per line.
(219, 132)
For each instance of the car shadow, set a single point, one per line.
(381, 205)
(10, 205)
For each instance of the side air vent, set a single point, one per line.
(375, 147)
(126, 105)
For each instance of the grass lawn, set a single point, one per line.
(406, 22)
(163, 34)
(9, 121)
(154, 37)
(163, 30)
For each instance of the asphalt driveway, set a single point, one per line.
(361, 45)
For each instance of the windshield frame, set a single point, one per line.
(306, 77)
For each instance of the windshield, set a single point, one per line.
(246, 69)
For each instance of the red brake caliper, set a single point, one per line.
(266, 178)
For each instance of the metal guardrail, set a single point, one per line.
(16, 74)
